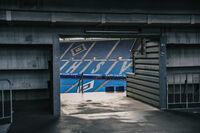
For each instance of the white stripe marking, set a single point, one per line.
(72, 87)
(111, 67)
(88, 51)
(61, 68)
(82, 71)
(73, 67)
(97, 60)
(66, 51)
(113, 48)
(101, 85)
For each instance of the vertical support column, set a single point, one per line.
(56, 76)
(162, 72)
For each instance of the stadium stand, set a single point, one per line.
(66, 84)
(98, 67)
(96, 59)
(77, 50)
(101, 46)
(121, 68)
(63, 48)
(121, 50)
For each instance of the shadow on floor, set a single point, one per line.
(117, 114)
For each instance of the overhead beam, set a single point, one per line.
(43, 35)
(97, 18)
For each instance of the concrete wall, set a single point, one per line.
(26, 66)
(183, 69)
(26, 53)
(183, 52)
(182, 58)
(144, 83)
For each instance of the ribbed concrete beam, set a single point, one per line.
(43, 35)
(97, 18)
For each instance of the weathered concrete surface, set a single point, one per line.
(100, 104)
(103, 113)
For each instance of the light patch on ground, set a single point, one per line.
(121, 116)
(92, 106)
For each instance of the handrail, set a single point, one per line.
(183, 90)
(80, 87)
(2, 98)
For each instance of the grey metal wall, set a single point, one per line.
(183, 69)
(182, 59)
(35, 42)
(144, 83)
(190, 36)
(26, 66)
(183, 52)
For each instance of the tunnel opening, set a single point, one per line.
(93, 72)
(94, 69)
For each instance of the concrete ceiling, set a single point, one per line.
(106, 6)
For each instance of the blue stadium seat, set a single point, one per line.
(104, 66)
(82, 50)
(80, 68)
(115, 83)
(68, 66)
(101, 49)
(63, 47)
(123, 49)
(119, 67)
(66, 84)
(62, 63)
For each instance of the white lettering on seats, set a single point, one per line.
(73, 67)
(124, 67)
(98, 67)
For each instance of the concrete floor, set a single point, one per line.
(102, 113)
(4, 128)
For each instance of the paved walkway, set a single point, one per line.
(106, 113)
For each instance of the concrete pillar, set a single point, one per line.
(56, 76)
(162, 72)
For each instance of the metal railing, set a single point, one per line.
(2, 89)
(183, 90)
(80, 86)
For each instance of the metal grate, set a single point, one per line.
(183, 90)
